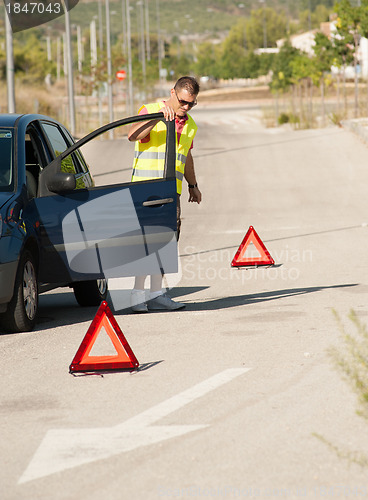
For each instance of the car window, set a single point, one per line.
(6, 160)
(77, 156)
(59, 144)
(38, 150)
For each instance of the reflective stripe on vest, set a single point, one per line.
(149, 157)
(151, 174)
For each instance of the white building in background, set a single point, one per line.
(363, 57)
(306, 41)
(303, 41)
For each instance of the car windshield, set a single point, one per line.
(6, 159)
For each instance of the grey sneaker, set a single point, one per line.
(164, 303)
(138, 301)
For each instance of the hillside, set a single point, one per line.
(210, 17)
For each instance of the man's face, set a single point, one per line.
(185, 101)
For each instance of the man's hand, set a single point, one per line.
(168, 112)
(195, 196)
(140, 130)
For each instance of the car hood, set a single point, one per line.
(4, 197)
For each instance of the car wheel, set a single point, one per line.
(90, 293)
(21, 313)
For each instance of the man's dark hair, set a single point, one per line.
(188, 83)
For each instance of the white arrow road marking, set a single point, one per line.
(63, 449)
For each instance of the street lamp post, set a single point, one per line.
(123, 19)
(159, 50)
(130, 70)
(109, 68)
(100, 27)
(142, 51)
(48, 47)
(80, 48)
(148, 45)
(9, 65)
(69, 65)
(58, 58)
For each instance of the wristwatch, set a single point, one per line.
(191, 186)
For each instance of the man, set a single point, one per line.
(151, 136)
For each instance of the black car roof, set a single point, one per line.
(10, 119)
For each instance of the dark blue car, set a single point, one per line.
(58, 229)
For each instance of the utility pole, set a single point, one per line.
(148, 45)
(130, 70)
(94, 59)
(123, 19)
(58, 58)
(109, 68)
(159, 43)
(142, 51)
(100, 27)
(93, 43)
(69, 65)
(80, 49)
(48, 47)
(65, 55)
(9, 65)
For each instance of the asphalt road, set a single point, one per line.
(237, 395)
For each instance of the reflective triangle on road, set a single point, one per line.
(105, 322)
(251, 239)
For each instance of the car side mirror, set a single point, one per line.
(53, 180)
(61, 182)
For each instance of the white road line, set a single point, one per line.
(176, 402)
(63, 449)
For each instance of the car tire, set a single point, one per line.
(21, 313)
(90, 293)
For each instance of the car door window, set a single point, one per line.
(58, 145)
(78, 158)
(60, 140)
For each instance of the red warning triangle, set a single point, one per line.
(240, 259)
(124, 358)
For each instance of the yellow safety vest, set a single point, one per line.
(149, 157)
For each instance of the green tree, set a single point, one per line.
(282, 72)
(265, 25)
(303, 70)
(208, 58)
(324, 52)
(313, 4)
(265, 62)
(352, 22)
(30, 59)
(182, 64)
(282, 76)
(312, 20)
(238, 34)
(232, 60)
(344, 56)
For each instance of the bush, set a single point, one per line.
(283, 118)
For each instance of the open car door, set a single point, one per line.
(110, 231)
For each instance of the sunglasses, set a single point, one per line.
(190, 104)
